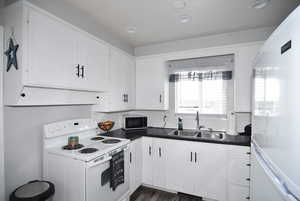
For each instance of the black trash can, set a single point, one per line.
(34, 191)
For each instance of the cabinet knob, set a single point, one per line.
(248, 153)
(248, 179)
(23, 95)
(247, 198)
(248, 164)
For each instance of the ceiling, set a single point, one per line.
(158, 21)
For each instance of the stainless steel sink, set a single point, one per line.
(185, 133)
(216, 135)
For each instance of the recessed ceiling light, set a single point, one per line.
(131, 30)
(185, 18)
(260, 4)
(179, 4)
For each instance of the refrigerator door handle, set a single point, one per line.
(273, 177)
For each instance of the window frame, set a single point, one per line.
(229, 103)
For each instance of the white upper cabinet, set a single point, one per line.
(58, 63)
(63, 57)
(51, 52)
(152, 84)
(120, 95)
(93, 58)
(243, 77)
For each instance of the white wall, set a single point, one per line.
(1, 120)
(80, 19)
(23, 139)
(246, 36)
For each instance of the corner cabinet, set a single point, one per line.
(120, 95)
(152, 87)
(54, 56)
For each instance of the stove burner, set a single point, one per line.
(88, 150)
(97, 138)
(111, 141)
(69, 147)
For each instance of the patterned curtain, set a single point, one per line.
(199, 76)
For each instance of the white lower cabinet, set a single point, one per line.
(197, 168)
(154, 162)
(214, 171)
(238, 173)
(238, 193)
(135, 154)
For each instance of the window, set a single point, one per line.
(203, 84)
(206, 96)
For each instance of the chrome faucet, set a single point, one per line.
(198, 126)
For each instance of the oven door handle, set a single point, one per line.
(100, 162)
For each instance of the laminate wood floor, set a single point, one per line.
(148, 194)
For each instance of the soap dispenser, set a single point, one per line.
(180, 124)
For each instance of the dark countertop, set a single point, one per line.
(164, 133)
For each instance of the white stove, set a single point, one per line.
(81, 174)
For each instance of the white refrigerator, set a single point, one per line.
(275, 167)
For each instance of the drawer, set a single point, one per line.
(239, 152)
(239, 171)
(238, 193)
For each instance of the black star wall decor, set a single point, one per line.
(11, 54)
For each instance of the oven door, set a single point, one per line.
(98, 180)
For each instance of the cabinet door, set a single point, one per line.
(116, 81)
(51, 52)
(129, 82)
(160, 157)
(243, 77)
(239, 171)
(151, 84)
(210, 170)
(132, 166)
(147, 161)
(93, 59)
(179, 166)
(138, 162)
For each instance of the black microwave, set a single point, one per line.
(131, 122)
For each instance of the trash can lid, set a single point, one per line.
(33, 191)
